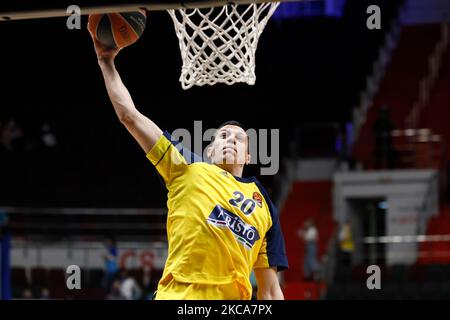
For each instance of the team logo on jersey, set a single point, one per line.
(257, 198)
(224, 173)
(244, 233)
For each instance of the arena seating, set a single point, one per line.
(54, 279)
(397, 282)
(400, 86)
(437, 112)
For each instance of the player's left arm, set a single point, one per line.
(268, 284)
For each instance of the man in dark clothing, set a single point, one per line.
(382, 129)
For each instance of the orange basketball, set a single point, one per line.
(118, 30)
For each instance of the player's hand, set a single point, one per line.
(103, 52)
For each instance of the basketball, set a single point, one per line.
(118, 30)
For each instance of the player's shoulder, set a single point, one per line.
(265, 194)
(202, 165)
(203, 168)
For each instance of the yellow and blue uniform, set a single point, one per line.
(219, 227)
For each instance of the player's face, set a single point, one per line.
(230, 146)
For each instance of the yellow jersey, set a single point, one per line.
(346, 239)
(219, 227)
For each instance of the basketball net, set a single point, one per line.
(218, 45)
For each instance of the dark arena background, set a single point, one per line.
(363, 151)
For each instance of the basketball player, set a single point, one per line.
(220, 226)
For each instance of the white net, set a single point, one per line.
(218, 45)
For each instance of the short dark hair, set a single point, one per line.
(111, 238)
(228, 123)
(233, 123)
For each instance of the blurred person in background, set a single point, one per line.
(12, 137)
(27, 293)
(45, 294)
(346, 161)
(110, 257)
(310, 236)
(48, 138)
(382, 129)
(147, 283)
(129, 289)
(114, 293)
(346, 243)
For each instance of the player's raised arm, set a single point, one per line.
(145, 131)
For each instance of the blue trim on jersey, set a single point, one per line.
(187, 154)
(276, 250)
(246, 180)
